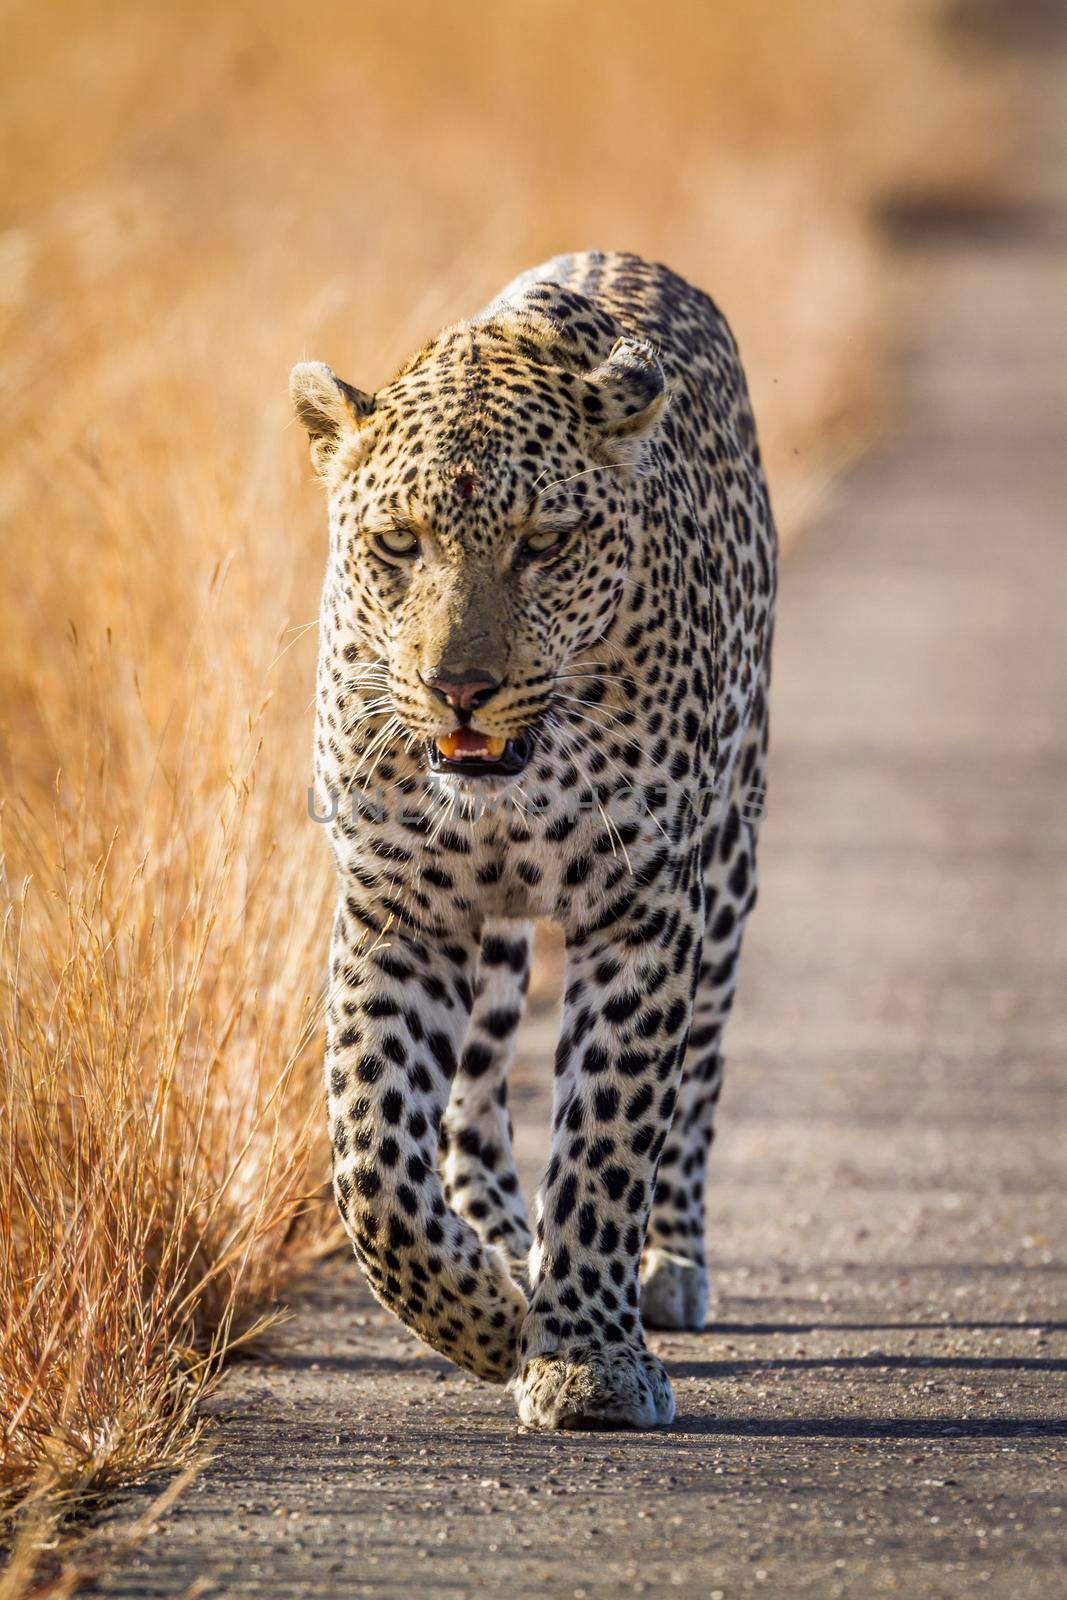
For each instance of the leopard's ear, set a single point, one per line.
(626, 398)
(329, 408)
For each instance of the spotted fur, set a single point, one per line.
(573, 484)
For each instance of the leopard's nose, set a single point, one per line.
(463, 691)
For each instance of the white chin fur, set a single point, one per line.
(474, 791)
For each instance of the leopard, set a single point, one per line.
(543, 672)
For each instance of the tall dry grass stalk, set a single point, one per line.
(158, 1020)
(196, 196)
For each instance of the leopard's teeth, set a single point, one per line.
(455, 746)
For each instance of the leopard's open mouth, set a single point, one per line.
(480, 755)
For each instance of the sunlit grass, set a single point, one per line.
(158, 1025)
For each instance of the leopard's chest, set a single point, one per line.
(574, 859)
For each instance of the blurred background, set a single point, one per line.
(194, 198)
(197, 196)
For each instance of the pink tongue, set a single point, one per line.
(465, 742)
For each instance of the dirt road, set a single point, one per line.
(880, 1406)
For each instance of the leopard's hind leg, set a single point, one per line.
(674, 1275)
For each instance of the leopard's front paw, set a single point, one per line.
(674, 1291)
(586, 1387)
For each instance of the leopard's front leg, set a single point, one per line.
(583, 1360)
(476, 1158)
(399, 1009)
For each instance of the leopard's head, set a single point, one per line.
(481, 519)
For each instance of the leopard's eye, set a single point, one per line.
(543, 545)
(398, 542)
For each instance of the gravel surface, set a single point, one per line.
(879, 1405)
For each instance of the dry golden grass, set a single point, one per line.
(195, 197)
